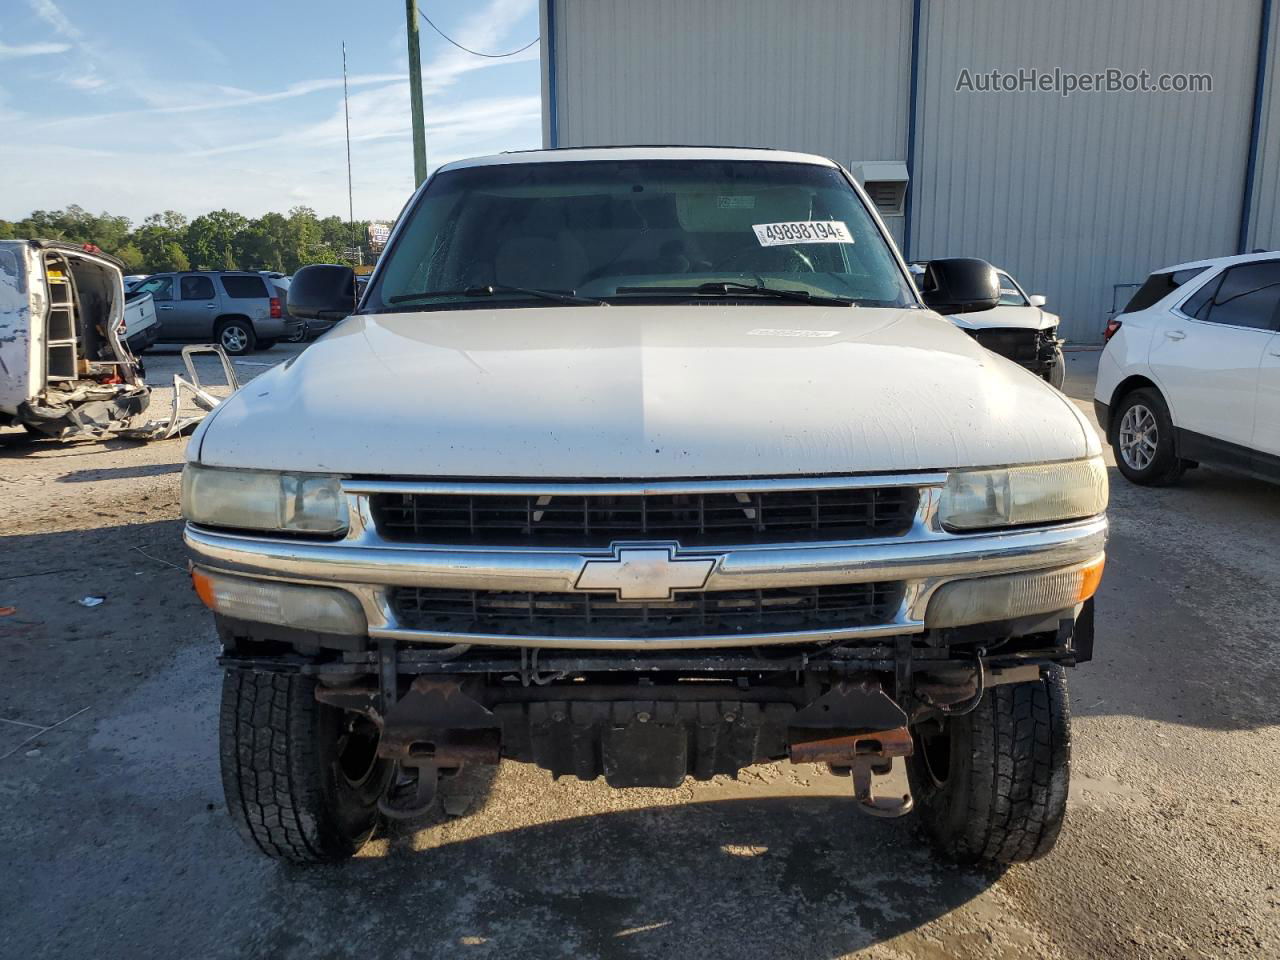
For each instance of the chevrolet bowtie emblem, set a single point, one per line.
(645, 573)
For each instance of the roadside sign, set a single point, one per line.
(379, 233)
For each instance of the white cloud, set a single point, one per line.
(230, 98)
(88, 79)
(48, 11)
(200, 146)
(10, 51)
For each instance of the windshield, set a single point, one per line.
(1010, 295)
(632, 231)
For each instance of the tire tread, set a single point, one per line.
(269, 759)
(1019, 771)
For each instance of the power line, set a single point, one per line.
(490, 56)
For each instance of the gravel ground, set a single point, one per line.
(116, 843)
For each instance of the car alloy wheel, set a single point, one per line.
(234, 339)
(1139, 437)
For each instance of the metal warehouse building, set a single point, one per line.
(1074, 195)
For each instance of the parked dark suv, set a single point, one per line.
(235, 309)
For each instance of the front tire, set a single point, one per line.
(236, 337)
(991, 785)
(1057, 374)
(301, 779)
(1142, 438)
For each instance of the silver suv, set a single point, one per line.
(235, 309)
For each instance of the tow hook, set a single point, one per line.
(871, 730)
(868, 755)
(411, 793)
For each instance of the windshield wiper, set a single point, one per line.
(729, 288)
(490, 289)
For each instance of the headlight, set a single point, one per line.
(263, 500)
(1013, 496)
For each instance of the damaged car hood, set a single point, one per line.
(1006, 317)
(637, 391)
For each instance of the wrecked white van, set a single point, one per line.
(64, 369)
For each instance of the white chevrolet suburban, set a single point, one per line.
(646, 463)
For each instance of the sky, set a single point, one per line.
(137, 106)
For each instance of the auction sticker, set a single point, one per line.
(802, 231)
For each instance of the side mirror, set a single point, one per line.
(959, 285)
(323, 291)
(1037, 300)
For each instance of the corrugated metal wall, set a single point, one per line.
(824, 76)
(1073, 195)
(1264, 221)
(741, 72)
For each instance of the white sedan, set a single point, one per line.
(1018, 328)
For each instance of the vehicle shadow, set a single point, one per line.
(16, 442)
(120, 473)
(801, 876)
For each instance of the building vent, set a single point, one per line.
(888, 196)
(886, 184)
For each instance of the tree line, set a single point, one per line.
(221, 240)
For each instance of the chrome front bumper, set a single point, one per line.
(368, 566)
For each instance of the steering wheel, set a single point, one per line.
(764, 260)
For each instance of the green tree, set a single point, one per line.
(156, 233)
(262, 245)
(76, 225)
(211, 239)
(222, 239)
(131, 257)
(173, 259)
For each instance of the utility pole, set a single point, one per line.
(415, 94)
(351, 203)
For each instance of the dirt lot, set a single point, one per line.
(115, 843)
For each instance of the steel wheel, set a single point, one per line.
(357, 750)
(234, 339)
(933, 747)
(1138, 436)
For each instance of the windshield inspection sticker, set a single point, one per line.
(802, 231)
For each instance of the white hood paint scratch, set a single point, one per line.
(643, 392)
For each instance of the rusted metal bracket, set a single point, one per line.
(872, 731)
(868, 755)
(434, 726)
(435, 722)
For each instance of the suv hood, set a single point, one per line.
(643, 391)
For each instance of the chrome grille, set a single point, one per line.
(690, 613)
(694, 519)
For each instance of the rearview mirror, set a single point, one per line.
(959, 285)
(323, 291)
(1037, 300)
